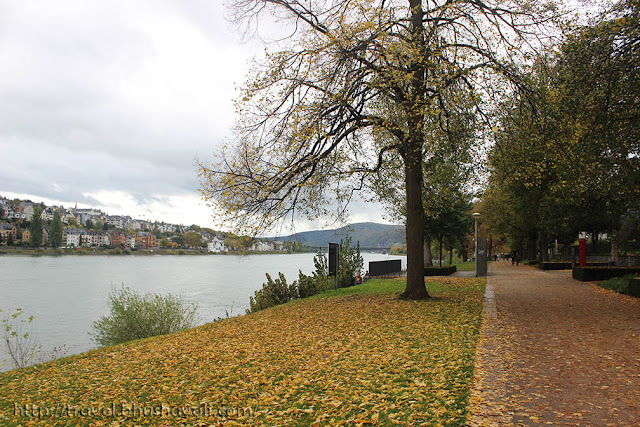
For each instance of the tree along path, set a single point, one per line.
(555, 351)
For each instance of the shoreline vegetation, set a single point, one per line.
(350, 356)
(117, 251)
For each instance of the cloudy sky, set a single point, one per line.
(108, 103)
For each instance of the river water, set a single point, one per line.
(66, 294)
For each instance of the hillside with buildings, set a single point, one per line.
(92, 228)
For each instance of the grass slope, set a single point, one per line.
(358, 356)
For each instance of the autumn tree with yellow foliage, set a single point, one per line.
(308, 116)
(570, 160)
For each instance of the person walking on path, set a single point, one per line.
(555, 351)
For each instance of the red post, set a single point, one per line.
(583, 252)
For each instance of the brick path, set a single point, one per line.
(554, 351)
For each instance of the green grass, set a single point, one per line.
(355, 356)
(617, 284)
(370, 287)
(466, 266)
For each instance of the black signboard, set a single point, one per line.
(382, 268)
(333, 259)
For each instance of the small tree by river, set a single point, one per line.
(134, 316)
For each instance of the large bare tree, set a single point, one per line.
(310, 117)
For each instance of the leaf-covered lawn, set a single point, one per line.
(360, 357)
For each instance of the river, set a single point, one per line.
(66, 294)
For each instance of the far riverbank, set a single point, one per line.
(126, 252)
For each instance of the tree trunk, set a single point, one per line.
(440, 252)
(428, 258)
(490, 247)
(451, 256)
(543, 245)
(615, 251)
(416, 288)
(412, 156)
(531, 249)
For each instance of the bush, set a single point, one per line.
(134, 316)
(618, 284)
(634, 287)
(274, 292)
(350, 263)
(591, 274)
(566, 265)
(309, 286)
(19, 342)
(555, 265)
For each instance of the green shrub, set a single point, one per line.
(274, 292)
(591, 274)
(134, 316)
(566, 265)
(17, 339)
(350, 263)
(634, 287)
(555, 265)
(617, 284)
(309, 286)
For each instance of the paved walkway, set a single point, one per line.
(554, 351)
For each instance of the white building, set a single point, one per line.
(103, 239)
(7, 211)
(72, 236)
(216, 245)
(262, 246)
(27, 210)
(164, 227)
(47, 214)
(116, 221)
(134, 225)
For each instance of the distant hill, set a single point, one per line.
(369, 234)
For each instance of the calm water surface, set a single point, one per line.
(67, 293)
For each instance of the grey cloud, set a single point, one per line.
(115, 96)
(68, 121)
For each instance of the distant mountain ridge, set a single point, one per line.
(369, 234)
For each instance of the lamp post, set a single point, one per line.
(475, 216)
